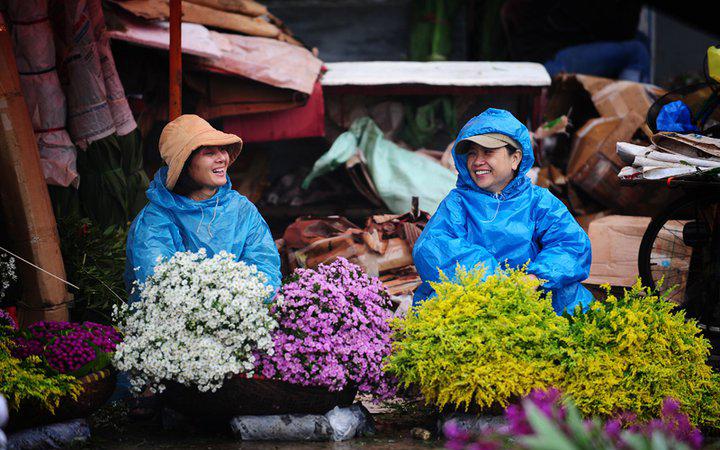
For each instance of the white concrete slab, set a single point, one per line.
(449, 73)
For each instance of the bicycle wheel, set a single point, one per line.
(681, 246)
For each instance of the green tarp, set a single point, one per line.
(397, 174)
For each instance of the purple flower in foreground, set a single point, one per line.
(675, 423)
(672, 423)
(547, 401)
(459, 439)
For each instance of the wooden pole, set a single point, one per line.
(175, 107)
(26, 204)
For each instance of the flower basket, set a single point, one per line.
(199, 320)
(254, 396)
(97, 389)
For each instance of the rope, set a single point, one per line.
(57, 277)
(38, 268)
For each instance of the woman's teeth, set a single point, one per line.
(482, 172)
(219, 171)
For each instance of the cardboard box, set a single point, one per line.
(598, 178)
(602, 135)
(621, 98)
(586, 219)
(615, 244)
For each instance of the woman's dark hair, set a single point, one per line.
(185, 185)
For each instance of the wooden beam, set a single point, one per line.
(26, 204)
(175, 109)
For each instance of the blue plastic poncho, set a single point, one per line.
(173, 223)
(524, 223)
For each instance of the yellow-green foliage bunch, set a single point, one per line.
(628, 353)
(27, 382)
(480, 342)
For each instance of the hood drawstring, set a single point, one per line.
(202, 217)
(217, 201)
(497, 197)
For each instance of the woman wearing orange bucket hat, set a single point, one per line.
(193, 206)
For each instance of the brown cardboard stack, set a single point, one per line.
(383, 248)
(603, 112)
(620, 98)
(616, 243)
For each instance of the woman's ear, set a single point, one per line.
(516, 159)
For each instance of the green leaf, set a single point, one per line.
(635, 441)
(574, 421)
(548, 435)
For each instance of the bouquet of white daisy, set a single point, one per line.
(199, 321)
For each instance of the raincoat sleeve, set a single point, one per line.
(151, 235)
(564, 256)
(260, 249)
(443, 244)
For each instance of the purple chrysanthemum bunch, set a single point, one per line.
(333, 331)
(550, 410)
(67, 347)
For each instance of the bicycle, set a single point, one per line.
(681, 247)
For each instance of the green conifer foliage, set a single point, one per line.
(28, 382)
(628, 353)
(487, 343)
(482, 343)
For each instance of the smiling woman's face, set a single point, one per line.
(492, 169)
(208, 167)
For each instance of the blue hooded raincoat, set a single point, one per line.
(173, 223)
(524, 223)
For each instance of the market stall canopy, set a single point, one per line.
(220, 18)
(195, 38)
(290, 123)
(266, 60)
(447, 73)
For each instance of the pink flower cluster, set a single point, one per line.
(333, 330)
(66, 346)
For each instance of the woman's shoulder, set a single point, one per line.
(545, 204)
(235, 200)
(543, 197)
(152, 216)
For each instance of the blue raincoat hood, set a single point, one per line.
(524, 224)
(173, 223)
(495, 121)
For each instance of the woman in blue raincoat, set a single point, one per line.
(496, 216)
(193, 206)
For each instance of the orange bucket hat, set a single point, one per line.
(184, 135)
